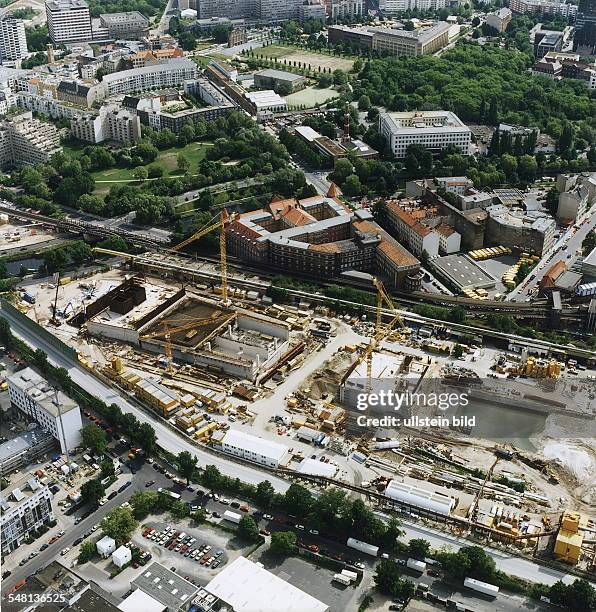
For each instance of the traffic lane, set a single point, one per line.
(167, 438)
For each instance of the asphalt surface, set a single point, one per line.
(167, 439)
(573, 239)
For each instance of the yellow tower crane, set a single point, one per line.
(217, 222)
(191, 325)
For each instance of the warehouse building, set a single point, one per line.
(460, 272)
(255, 449)
(410, 495)
(274, 79)
(244, 586)
(167, 588)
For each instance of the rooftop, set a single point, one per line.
(265, 98)
(138, 600)
(254, 444)
(16, 492)
(23, 442)
(36, 387)
(271, 73)
(414, 122)
(164, 586)
(249, 587)
(176, 63)
(463, 271)
(66, 5)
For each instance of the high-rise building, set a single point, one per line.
(585, 27)
(340, 9)
(232, 9)
(68, 21)
(32, 395)
(392, 7)
(26, 506)
(13, 44)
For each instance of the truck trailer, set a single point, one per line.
(233, 517)
(341, 578)
(364, 547)
(481, 587)
(414, 564)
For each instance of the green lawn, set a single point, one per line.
(195, 152)
(311, 96)
(305, 56)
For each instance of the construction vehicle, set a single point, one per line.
(474, 507)
(217, 222)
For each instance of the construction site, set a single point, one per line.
(281, 385)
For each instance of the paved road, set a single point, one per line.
(572, 239)
(168, 439)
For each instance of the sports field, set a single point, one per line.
(311, 96)
(305, 56)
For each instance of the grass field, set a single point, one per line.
(195, 152)
(311, 96)
(304, 56)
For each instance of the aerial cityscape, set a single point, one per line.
(297, 305)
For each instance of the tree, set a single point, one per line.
(94, 437)
(565, 141)
(187, 41)
(146, 438)
(458, 351)
(476, 21)
(107, 467)
(179, 509)
(86, 552)
(493, 111)
(455, 565)
(212, 478)
(387, 577)
(527, 167)
(265, 494)
(92, 491)
(581, 596)
(91, 204)
(155, 171)
(186, 465)
(419, 548)
(339, 77)
(183, 163)
(363, 102)
(419, 161)
(343, 169)
(283, 543)
(54, 260)
(298, 500)
(248, 529)
(351, 186)
(143, 503)
(79, 252)
(119, 524)
(140, 173)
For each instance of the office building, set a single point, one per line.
(547, 42)
(434, 130)
(172, 73)
(499, 20)
(543, 6)
(69, 21)
(532, 231)
(394, 7)
(231, 9)
(33, 396)
(312, 9)
(342, 9)
(255, 449)
(25, 140)
(585, 28)
(124, 25)
(25, 449)
(277, 10)
(13, 43)
(26, 505)
(393, 41)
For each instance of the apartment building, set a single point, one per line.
(312, 9)
(543, 6)
(46, 106)
(25, 140)
(232, 9)
(342, 9)
(171, 73)
(26, 505)
(111, 124)
(277, 10)
(69, 21)
(577, 195)
(393, 41)
(557, 66)
(13, 43)
(434, 130)
(532, 231)
(393, 7)
(499, 20)
(79, 94)
(57, 413)
(124, 25)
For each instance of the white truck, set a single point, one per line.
(349, 574)
(364, 547)
(482, 587)
(342, 579)
(233, 517)
(417, 566)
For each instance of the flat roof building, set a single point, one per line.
(54, 411)
(69, 21)
(266, 100)
(462, 272)
(165, 586)
(248, 587)
(25, 449)
(272, 79)
(420, 498)
(253, 448)
(434, 130)
(123, 25)
(13, 42)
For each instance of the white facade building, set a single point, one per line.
(106, 546)
(68, 21)
(121, 556)
(391, 7)
(338, 9)
(434, 130)
(54, 411)
(420, 498)
(13, 43)
(26, 506)
(172, 73)
(253, 448)
(499, 20)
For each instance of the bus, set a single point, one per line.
(167, 492)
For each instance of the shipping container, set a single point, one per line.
(414, 564)
(481, 587)
(233, 517)
(364, 547)
(342, 579)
